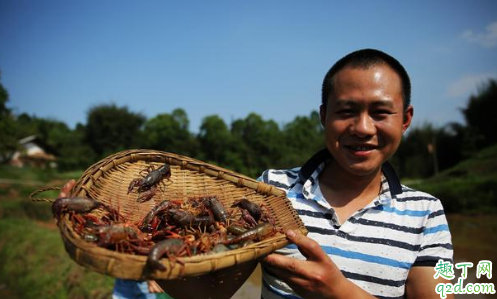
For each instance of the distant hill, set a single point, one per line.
(468, 187)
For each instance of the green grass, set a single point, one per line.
(34, 261)
(35, 264)
(469, 187)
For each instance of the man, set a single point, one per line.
(368, 236)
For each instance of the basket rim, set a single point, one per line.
(108, 261)
(96, 170)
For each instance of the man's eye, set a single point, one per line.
(381, 111)
(345, 111)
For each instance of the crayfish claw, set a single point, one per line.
(132, 185)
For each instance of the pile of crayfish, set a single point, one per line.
(172, 228)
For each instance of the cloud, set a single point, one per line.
(487, 39)
(466, 85)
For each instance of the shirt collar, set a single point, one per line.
(309, 173)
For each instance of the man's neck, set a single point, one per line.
(342, 188)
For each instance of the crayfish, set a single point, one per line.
(173, 228)
(172, 248)
(147, 185)
(76, 204)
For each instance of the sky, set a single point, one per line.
(59, 58)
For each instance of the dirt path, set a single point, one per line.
(21, 182)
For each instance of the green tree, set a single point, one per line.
(258, 143)
(479, 113)
(216, 142)
(74, 152)
(303, 138)
(8, 137)
(413, 158)
(110, 128)
(169, 132)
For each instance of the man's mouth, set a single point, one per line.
(361, 148)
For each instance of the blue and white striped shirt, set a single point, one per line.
(377, 245)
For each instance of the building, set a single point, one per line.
(34, 152)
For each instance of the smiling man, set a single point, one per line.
(369, 236)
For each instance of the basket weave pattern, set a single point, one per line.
(107, 181)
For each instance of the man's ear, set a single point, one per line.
(322, 114)
(408, 114)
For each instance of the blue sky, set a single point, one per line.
(59, 58)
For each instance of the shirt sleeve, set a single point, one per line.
(264, 176)
(436, 241)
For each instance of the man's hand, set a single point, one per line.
(64, 192)
(316, 277)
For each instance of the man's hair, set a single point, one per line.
(364, 59)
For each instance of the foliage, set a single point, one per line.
(216, 140)
(110, 128)
(304, 136)
(469, 187)
(257, 143)
(248, 145)
(8, 140)
(169, 132)
(480, 113)
(427, 150)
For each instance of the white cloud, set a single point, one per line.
(468, 84)
(487, 39)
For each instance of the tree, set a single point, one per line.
(303, 138)
(8, 138)
(169, 132)
(110, 128)
(74, 152)
(480, 113)
(413, 158)
(216, 142)
(258, 143)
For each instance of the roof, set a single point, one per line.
(35, 139)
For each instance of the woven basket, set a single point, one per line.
(107, 181)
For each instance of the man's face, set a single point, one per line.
(364, 118)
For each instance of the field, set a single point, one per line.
(35, 264)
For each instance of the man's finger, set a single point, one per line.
(153, 287)
(307, 246)
(278, 264)
(64, 192)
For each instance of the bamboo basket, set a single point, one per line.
(107, 181)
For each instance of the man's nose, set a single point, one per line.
(363, 125)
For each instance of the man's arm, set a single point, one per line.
(420, 284)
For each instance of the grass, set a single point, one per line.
(36, 265)
(32, 255)
(469, 187)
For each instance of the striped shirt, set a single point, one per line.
(377, 245)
